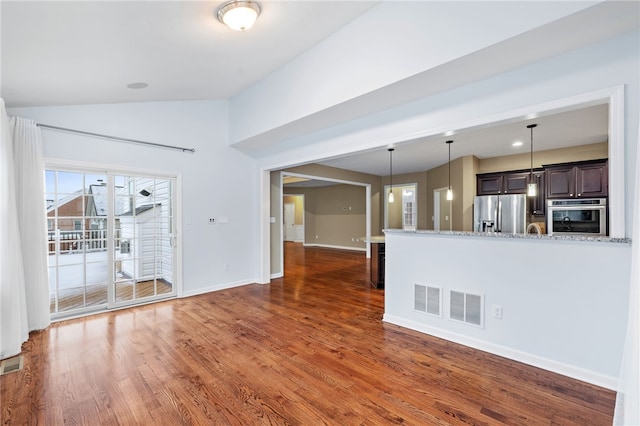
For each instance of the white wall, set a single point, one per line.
(216, 180)
(602, 65)
(606, 64)
(365, 56)
(564, 303)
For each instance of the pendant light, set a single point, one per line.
(532, 188)
(391, 198)
(449, 191)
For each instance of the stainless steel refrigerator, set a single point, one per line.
(500, 213)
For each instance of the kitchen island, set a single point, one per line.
(377, 261)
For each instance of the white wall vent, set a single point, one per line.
(466, 307)
(10, 365)
(427, 299)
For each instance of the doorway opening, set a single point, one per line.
(325, 213)
(293, 218)
(441, 210)
(403, 212)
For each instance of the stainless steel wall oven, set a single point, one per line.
(577, 217)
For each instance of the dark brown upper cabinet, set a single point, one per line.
(578, 180)
(502, 183)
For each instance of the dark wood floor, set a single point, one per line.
(309, 349)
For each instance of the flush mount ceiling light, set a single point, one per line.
(239, 15)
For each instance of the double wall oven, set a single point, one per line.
(585, 216)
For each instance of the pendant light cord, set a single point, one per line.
(449, 165)
(390, 170)
(449, 143)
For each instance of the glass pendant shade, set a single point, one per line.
(449, 194)
(532, 190)
(391, 198)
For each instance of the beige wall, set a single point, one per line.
(298, 202)
(594, 151)
(438, 177)
(351, 176)
(334, 215)
(420, 179)
(276, 226)
(463, 181)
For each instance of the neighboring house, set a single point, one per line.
(65, 221)
(80, 218)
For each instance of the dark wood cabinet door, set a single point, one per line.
(579, 181)
(592, 181)
(377, 265)
(489, 184)
(560, 182)
(515, 183)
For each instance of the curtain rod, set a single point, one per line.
(115, 138)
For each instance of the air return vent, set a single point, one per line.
(466, 307)
(427, 299)
(10, 365)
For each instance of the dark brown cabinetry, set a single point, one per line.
(377, 265)
(489, 184)
(582, 180)
(502, 183)
(514, 183)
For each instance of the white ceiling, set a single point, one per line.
(578, 127)
(86, 52)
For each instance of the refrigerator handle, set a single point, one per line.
(499, 216)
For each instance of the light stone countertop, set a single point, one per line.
(545, 237)
(374, 239)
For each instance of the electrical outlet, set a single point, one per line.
(212, 221)
(496, 311)
(226, 266)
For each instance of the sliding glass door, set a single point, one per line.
(143, 239)
(110, 240)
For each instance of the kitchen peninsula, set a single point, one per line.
(377, 262)
(548, 301)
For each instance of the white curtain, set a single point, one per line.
(24, 293)
(628, 399)
(29, 166)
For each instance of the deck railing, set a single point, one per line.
(73, 241)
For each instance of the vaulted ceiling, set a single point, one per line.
(87, 52)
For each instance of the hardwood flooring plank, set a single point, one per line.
(306, 349)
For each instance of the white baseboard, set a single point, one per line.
(336, 247)
(277, 275)
(216, 287)
(513, 354)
